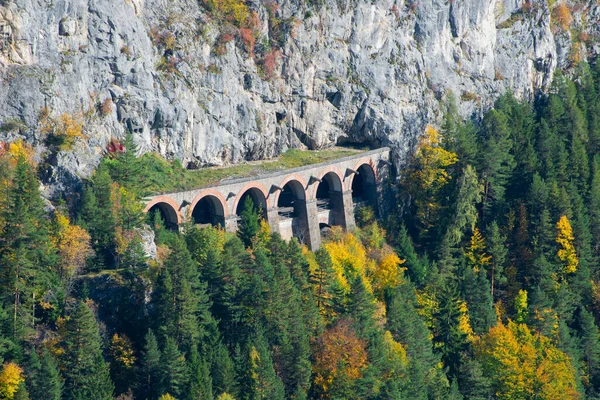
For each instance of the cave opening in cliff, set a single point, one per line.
(257, 197)
(209, 210)
(167, 214)
(330, 197)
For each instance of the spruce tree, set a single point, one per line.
(49, 384)
(199, 380)
(589, 338)
(408, 328)
(249, 224)
(26, 252)
(498, 251)
(173, 377)
(406, 250)
(223, 371)
(86, 373)
(496, 163)
(150, 378)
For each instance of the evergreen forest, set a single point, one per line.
(481, 280)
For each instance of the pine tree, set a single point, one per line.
(461, 135)
(126, 169)
(477, 293)
(200, 382)
(49, 384)
(179, 296)
(447, 333)
(149, 379)
(404, 247)
(96, 216)
(496, 163)
(172, 369)
(249, 222)
(499, 252)
(86, 373)
(26, 252)
(223, 371)
(408, 328)
(590, 345)
(468, 197)
(594, 205)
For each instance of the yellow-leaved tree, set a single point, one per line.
(11, 377)
(348, 258)
(525, 365)
(73, 244)
(566, 249)
(427, 175)
(475, 254)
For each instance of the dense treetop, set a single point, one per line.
(482, 282)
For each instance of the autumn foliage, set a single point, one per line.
(525, 365)
(11, 377)
(563, 16)
(566, 252)
(340, 356)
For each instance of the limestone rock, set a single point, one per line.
(347, 71)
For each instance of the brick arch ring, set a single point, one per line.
(165, 200)
(288, 179)
(248, 186)
(364, 161)
(322, 174)
(209, 192)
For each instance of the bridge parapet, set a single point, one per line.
(293, 193)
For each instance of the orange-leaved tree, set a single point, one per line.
(340, 357)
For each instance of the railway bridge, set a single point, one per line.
(299, 202)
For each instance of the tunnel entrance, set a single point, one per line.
(167, 214)
(291, 204)
(209, 210)
(257, 197)
(330, 198)
(364, 188)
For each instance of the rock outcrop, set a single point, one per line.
(191, 86)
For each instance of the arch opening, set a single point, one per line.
(257, 197)
(291, 205)
(329, 185)
(167, 214)
(290, 200)
(330, 198)
(364, 188)
(209, 210)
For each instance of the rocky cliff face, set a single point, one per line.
(191, 85)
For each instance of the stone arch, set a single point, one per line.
(209, 207)
(168, 209)
(291, 208)
(364, 185)
(300, 183)
(257, 193)
(329, 194)
(338, 183)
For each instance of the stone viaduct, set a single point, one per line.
(298, 202)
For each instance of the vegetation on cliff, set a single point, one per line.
(482, 283)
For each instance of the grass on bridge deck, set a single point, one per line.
(159, 176)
